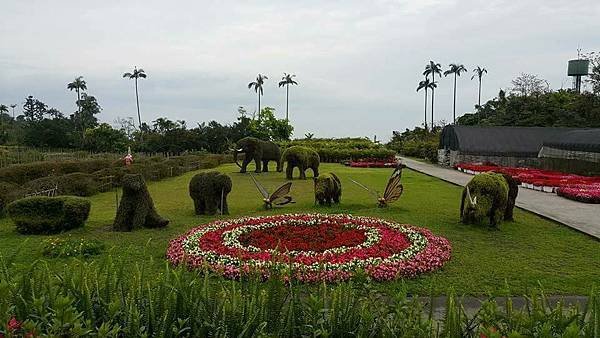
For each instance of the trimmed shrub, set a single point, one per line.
(136, 209)
(484, 200)
(342, 149)
(47, 215)
(207, 190)
(7, 194)
(303, 158)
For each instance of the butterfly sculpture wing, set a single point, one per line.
(280, 196)
(394, 188)
(373, 192)
(260, 187)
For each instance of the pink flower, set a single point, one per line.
(14, 324)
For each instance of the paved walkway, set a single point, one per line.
(581, 216)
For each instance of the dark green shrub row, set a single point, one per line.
(88, 177)
(60, 247)
(46, 215)
(108, 299)
(338, 150)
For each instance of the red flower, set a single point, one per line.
(14, 324)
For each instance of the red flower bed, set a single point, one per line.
(576, 187)
(311, 247)
(374, 163)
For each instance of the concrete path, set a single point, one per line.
(580, 216)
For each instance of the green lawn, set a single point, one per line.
(522, 253)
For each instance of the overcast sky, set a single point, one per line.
(357, 62)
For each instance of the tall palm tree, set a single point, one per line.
(479, 71)
(137, 74)
(456, 70)
(287, 80)
(13, 106)
(258, 87)
(78, 85)
(3, 109)
(426, 85)
(432, 68)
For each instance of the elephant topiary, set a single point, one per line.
(258, 150)
(485, 198)
(136, 209)
(513, 191)
(209, 191)
(328, 189)
(303, 158)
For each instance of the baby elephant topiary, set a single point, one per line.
(48, 215)
(136, 209)
(485, 198)
(209, 191)
(302, 157)
(328, 189)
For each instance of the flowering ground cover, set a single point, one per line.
(576, 187)
(311, 247)
(373, 163)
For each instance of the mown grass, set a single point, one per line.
(523, 254)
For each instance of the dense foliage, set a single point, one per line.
(418, 142)
(88, 177)
(46, 215)
(333, 150)
(61, 247)
(41, 126)
(562, 108)
(106, 300)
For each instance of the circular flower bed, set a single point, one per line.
(311, 247)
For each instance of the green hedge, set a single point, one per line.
(46, 215)
(338, 150)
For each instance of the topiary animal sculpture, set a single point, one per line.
(303, 158)
(136, 209)
(209, 191)
(328, 189)
(485, 198)
(258, 150)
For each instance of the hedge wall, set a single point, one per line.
(338, 150)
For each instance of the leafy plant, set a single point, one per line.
(68, 247)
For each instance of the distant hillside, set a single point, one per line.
(563, 108)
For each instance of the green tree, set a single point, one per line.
(455, 69)
(479, 71)
(3, 109)
(258, 87)
(426, 85)
(431, 69)
(287, 80)
(78, 85)
(105, 138)
(137, 74)
(85, 118)
(34, 109)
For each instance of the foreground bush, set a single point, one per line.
(46, 215)
(108, 299)
(60, 247)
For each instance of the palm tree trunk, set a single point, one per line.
(432, 98)
(425, 108)
(287, 102)
(80, 116)
(259, 103)
(454, 105)
(137, 102)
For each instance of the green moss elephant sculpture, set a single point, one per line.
(485, 200)
(259, 151)
(302, 158)
(209, 191)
